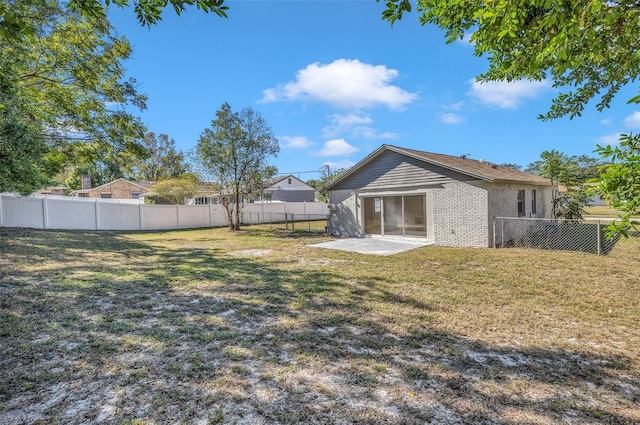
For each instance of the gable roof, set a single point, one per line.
(274, 181)
(142, 185)
(478, 169)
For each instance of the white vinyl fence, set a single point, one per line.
(63, 212)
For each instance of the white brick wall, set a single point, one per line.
(460, 214)
(463, 212)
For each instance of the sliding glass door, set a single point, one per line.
(401, 215)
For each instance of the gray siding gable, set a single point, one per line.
(393, 170)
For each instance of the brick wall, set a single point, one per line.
(460, 214)
(119, 189)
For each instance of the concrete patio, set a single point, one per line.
(375, 246)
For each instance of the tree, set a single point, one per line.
(565, 172)
(588, 49)
(513, 166)
(14, 26)
(234, 154)
(326, 177)
(25, 162)
(619, 182)
(63, 87)
(590, 46)
(176, 190)
(164, 161)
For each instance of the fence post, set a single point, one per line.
(1, 215)
(502, 234)
(45, 220)
(494, 233)
(140, 216)
(599, 237)
(177, 216)
(293, 222)
(97, 208)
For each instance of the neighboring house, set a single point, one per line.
(53, 190)
(289, 189)
(448, 200)
(279, 189)
(117, 189)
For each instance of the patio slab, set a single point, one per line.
(375, 246)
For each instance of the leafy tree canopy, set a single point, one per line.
(233, 153)
(164, 160)
(14, 25)
(619, 183)
(568, 175)
(176, 190)
(588, 49)
(61, 89)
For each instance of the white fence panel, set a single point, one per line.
(22, 212)
(159, 217)
(58, 212)
(193, 216)
(218, 215)
(65, 214)
(116, 216)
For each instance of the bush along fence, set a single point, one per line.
(61, 212)
(567, 235)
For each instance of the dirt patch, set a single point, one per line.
(168, 334)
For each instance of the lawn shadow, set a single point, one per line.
(164, 334)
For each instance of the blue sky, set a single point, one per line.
(335, 82)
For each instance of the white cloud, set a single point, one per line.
(345, 163)
(504, 94)
(610, 139)
(454, 106)
(344, 83)
(633, 120)
(450, 118)
(336, 147)
(295, 142)
(355, 125)
(605, 121)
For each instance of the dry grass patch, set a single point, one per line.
(254, 327)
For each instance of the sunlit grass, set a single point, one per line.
(215, 325)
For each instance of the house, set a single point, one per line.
(116, 189)
(279, 189)
(289, 189)
(53, 190)
(448, 200)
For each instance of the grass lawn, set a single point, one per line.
(602, 211)
(255, 327)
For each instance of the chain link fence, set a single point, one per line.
(288, 221)
(568, 235)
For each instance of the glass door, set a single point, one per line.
(415, 223)
(395, 215)
(373, 216)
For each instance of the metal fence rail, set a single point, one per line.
(568, 235)
(309, 222)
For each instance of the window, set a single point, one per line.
(521, 211)
(289, 180)
(135, 195)
(105, 195)
(533, 202)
